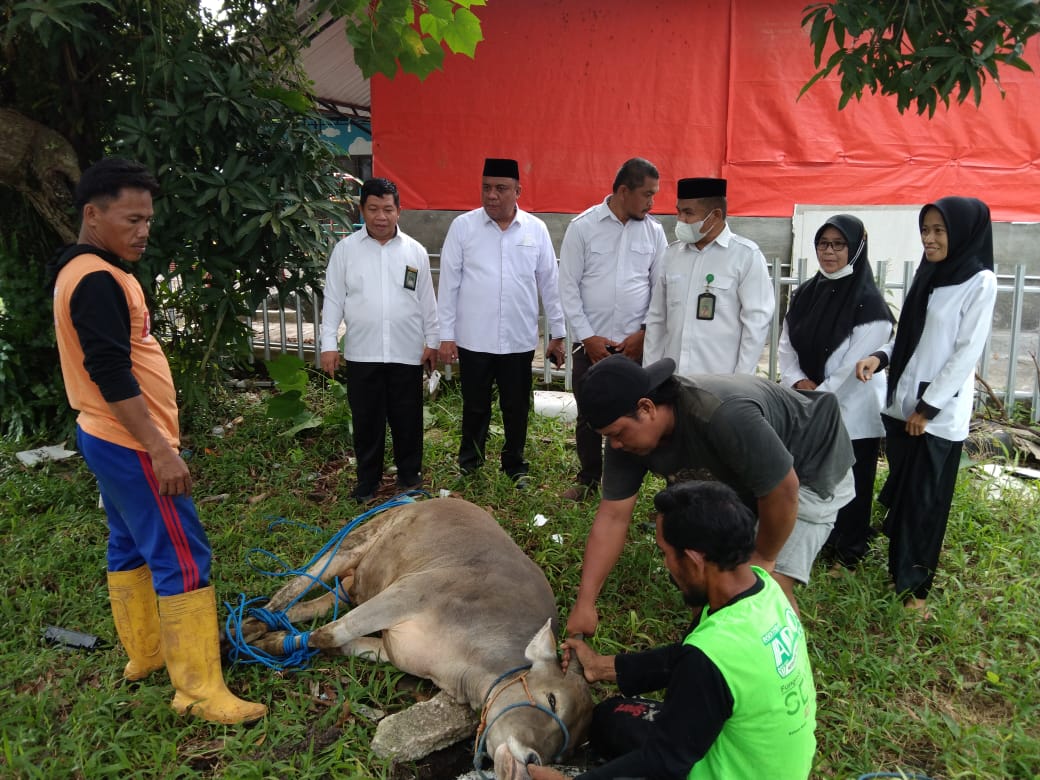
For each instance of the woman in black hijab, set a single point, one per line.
(834, 319)
(942, 332)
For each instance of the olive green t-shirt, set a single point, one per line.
(747, 432)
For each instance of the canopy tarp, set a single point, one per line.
(571, 90)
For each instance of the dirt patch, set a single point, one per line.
(447, 763)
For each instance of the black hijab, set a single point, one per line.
(969, 236)
(824, 311)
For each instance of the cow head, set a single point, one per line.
(539, 715)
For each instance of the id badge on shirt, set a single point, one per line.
(706, 306)
(706, 301)
(411, 276)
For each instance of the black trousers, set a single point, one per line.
(381, 393)
(588, 443)
(511, 374)
(622, 724)
(918, 493)
(852, 532)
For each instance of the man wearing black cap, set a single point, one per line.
(712, 305)
(786, 453)
(495, 262)
(609, 263)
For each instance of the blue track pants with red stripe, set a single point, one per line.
(163, 532)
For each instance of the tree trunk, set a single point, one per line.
(41, 164)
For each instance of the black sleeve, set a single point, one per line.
(650, 670)
(696, 707)
(101, 318)
(927, 411)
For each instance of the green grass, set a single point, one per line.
(956, 697)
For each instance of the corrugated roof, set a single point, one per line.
(329, 63)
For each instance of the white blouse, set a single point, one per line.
(957, 324)
(860, 402)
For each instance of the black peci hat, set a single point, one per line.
(701, 188)
(499, 166)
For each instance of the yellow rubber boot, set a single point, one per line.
(136, 616)
(192, 648)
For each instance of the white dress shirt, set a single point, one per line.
(732, 342)
(608, 269)
(490, 280)
(860, 402)
(365, 288)
(956, 326)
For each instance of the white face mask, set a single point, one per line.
(690, 232)
(841, 273)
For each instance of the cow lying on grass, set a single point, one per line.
(454, 600)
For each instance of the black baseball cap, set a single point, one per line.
(613, 387)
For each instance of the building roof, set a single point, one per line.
(329, 62)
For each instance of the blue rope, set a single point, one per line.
(480, 749)
(297, 653)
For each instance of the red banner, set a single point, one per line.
(700, 89)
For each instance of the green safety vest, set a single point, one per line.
(759, 646)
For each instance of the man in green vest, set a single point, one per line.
(740, 700)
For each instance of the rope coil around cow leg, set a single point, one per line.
(298, 653)
(480, 744)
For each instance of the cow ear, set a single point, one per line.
(542, 649)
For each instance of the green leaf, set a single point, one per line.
(464, 34)
(441, 9)
(284, 369)
(296, 100)
(286, 406)
(338, 391)
(308, 420)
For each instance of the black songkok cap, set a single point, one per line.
(612, 388)
(701, 188)
(498, 166)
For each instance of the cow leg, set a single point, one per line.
(367, 647)
(383, 610)
(328, 567)
(272, 643)
(303, 611)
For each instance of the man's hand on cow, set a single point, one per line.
(544, 773)
(596, 667)
(449, 352)
(330, 361)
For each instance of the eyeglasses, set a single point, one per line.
(837, 246)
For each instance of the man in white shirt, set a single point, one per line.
(609, 264)
(495, 263)
(378, 283)
(713, 302)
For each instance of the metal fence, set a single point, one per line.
(1008, 366)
